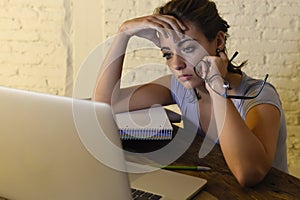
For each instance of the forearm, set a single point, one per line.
(243, 151)
(108, 82)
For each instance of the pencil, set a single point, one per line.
(196, 168)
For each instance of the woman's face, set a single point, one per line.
(182, 53)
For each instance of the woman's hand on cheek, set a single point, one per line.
(217, 65)
(215, 78)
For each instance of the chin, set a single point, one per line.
(188, 84)
(192, 84)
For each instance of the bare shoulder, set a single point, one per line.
(263, 115)
(164, 81)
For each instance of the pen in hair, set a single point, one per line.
(233, 56)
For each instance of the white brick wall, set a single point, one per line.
(32, 51)
(37, 46)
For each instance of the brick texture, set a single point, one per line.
(33, 54)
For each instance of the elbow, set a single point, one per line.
(250, 177)
(100, 98)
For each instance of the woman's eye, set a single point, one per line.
(167, 55)
(188, 49)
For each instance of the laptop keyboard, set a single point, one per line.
(142, 195)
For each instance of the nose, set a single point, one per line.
(178, 63)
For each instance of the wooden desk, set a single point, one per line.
(221, 183)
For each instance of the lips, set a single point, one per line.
(185, 77)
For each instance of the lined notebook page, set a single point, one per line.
(147, 124)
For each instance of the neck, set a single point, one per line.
(201, 91)
(234, 80)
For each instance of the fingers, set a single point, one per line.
(167, 26)
(224, 57)
(217, 65)
(202, 69)
(156, 41)
(171, 26)
(153, 27)
(170, 22)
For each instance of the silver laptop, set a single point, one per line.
(50, 150)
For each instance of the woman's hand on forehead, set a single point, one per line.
(170, 25)
(153, 27)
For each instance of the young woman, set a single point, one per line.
(192, 38)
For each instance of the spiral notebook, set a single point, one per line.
(146, 124)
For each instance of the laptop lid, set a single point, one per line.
(42, 155)
(54, 147)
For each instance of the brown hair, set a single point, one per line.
(203, 14)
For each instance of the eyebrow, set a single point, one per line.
(179, 44)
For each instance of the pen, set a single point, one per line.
(196, 168)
